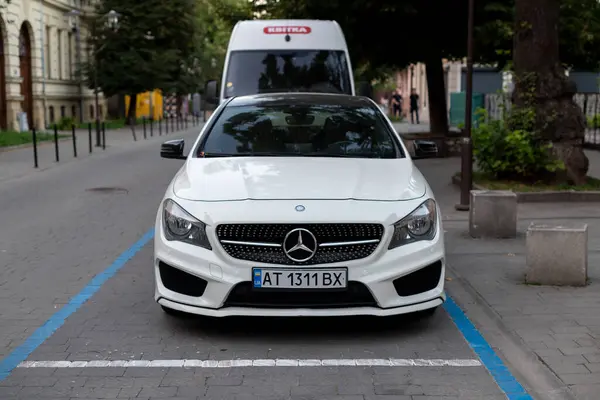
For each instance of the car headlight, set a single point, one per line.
(418, 225)
(179, 225)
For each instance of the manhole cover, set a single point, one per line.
(107, 190)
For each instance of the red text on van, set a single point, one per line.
(282, 30)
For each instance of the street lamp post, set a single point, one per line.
(466, 170)
(74, 22)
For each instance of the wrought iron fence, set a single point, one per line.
(496, 104)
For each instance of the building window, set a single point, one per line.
(63, 111)
(70, 49)
(52, 116)
(59, 41)
(47, 63)
(74, 111)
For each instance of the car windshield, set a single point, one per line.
(259, 71)
(300, 130)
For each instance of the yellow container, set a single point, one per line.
(145, 102)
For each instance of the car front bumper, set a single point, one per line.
(219, 274)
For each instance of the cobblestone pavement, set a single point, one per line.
(559, 326)
(62, 235)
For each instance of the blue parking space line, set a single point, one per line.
(57, 320)
(500, 373)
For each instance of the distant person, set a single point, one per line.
(383, 104)
(414, 106)
(397, 103)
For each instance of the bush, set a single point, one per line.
(510, 149)
(594, 122)
(65, 123)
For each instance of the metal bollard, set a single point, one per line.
(166, 124)
(90, 136)
(152, 127)
(173, 123)
(159, 126)
(98, 144)
(103, 136)
(144, 126)
(74, 141)
(56, 143)
(35, 153)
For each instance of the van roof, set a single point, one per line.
(270, 35)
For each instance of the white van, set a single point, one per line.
(266, 56)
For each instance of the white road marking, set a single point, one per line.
(390, 362)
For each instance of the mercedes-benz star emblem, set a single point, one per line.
(300, 245)
(300, 208)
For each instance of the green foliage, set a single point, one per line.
(510, 149)
(14, 138)
(66, 123)
(579, 32)
(173, 45)
(594, 122)
(216, 19)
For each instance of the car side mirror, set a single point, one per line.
(211, 92)
(173, 149)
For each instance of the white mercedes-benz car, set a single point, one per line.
(298, 205)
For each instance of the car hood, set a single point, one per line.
(296, 178)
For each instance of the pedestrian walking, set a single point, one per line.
(414, 106)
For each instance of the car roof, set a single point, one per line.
(295, 98)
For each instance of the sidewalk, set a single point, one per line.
(560, 327)
(18, 162)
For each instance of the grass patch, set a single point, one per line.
(13, 138)
(487, 182)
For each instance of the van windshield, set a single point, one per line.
(270, 71)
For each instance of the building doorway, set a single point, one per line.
(3, 101)
(26, 75)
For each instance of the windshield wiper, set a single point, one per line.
(357, 155)
(257, 154)
(211, 155)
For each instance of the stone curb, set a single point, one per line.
(567, 196)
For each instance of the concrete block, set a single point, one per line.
(557, 254)
(493, 214)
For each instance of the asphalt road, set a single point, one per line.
(67, 225)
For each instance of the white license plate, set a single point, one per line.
(335, 278)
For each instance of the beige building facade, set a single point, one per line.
(39, 56)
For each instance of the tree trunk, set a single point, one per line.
(131, 114)
(541, 83)
(436, 87)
